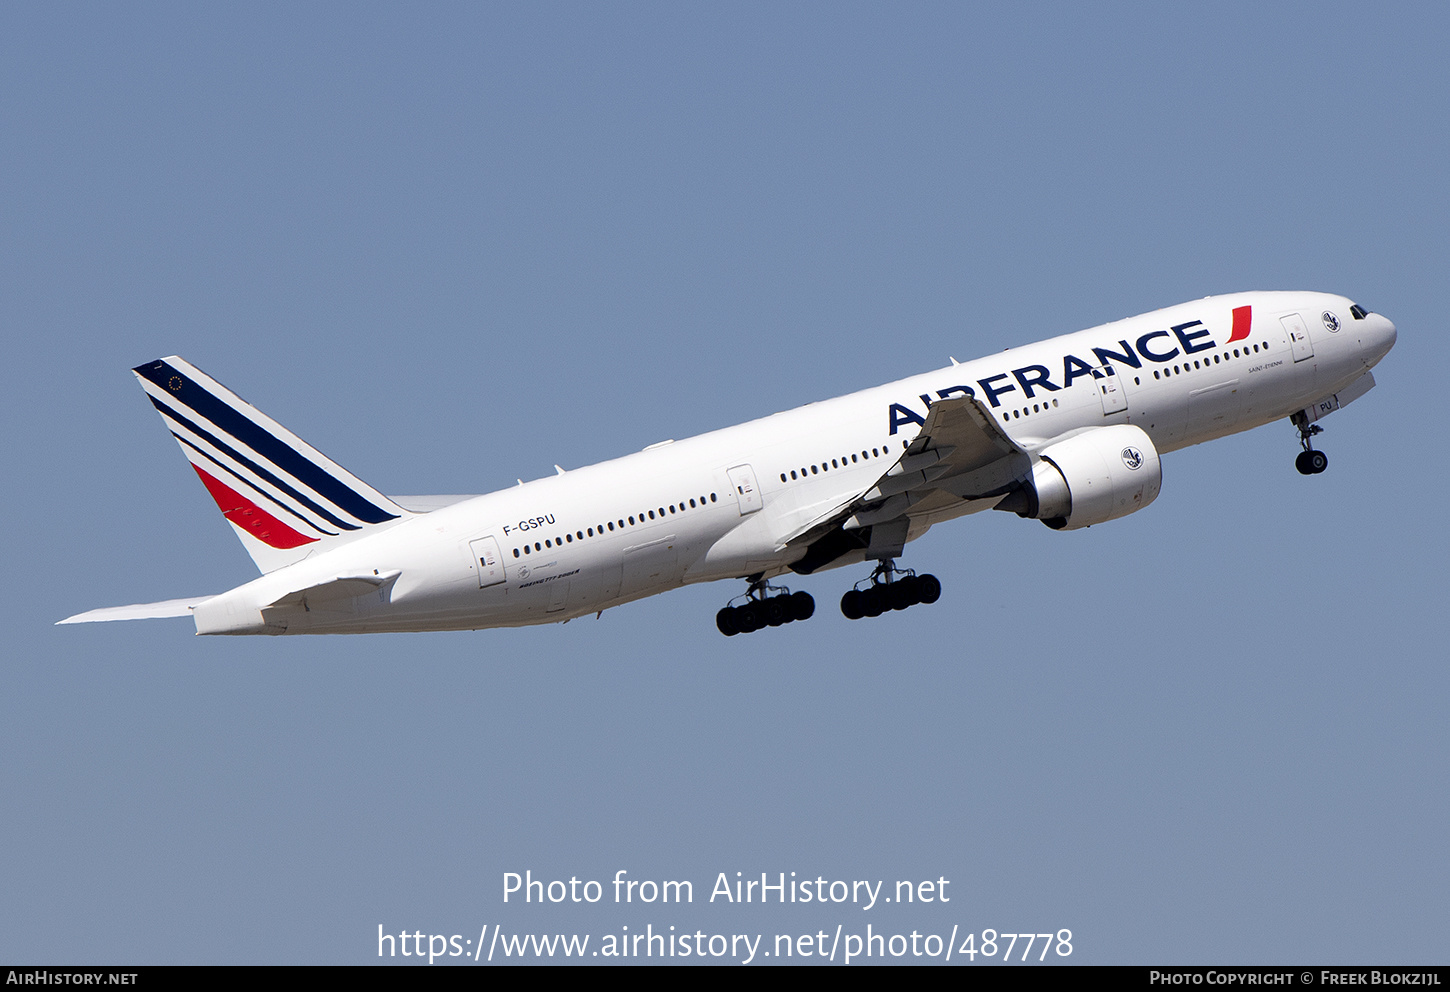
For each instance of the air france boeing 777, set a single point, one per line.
(1068, 431)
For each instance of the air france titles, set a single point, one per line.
(1192, 338)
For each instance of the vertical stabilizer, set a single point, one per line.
(284, 498)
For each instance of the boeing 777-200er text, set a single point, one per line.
(1068, 431)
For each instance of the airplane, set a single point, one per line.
(1068, 431)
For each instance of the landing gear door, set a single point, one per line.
(747, 493)
(1298, 336)
(487, 561)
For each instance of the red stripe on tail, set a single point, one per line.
(1243, 321)
(250, 517)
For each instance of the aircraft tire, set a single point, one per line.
(802, 606)
(748, 618)
(725, 621)
(873, 602)
(851, 605)
(902, 593)
(1302, 464)
(776, 611)
(1318, 461)
(928, 588)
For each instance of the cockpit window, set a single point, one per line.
(1358, 312)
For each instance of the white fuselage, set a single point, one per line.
(724, 504)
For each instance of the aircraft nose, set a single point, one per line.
(1377, 337)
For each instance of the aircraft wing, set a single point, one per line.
(960, 454)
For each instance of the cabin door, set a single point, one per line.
(1110, 390)
(488, 561)
(747, 492)
(1298, 336)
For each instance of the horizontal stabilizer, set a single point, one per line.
(340, 588)
(427, 504)
(140, 611)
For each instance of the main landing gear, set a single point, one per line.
(1311, 460)
(890, 589)
(764, 605)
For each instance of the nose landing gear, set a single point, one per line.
(889, 589)
(1311, 461)
(764, 605)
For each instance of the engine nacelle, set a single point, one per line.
(1093, 477)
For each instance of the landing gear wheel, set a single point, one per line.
(890, 589)
(802, 606)
(1302, 463)
(1318, 462)
(748, 618)
(903, 593)
(764, 605)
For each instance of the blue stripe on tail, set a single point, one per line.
(262, 441)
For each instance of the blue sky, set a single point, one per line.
(454, 248)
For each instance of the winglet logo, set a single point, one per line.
(1243, 323)
(1133, 458)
